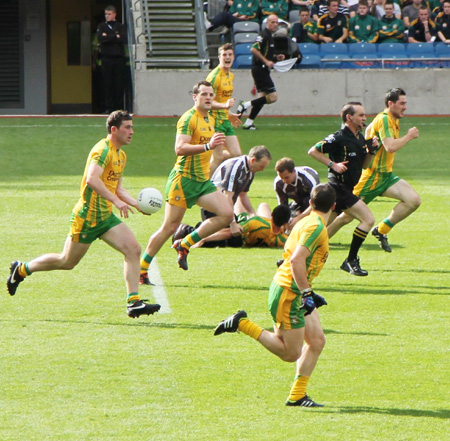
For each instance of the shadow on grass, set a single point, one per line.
(387, 290)
(439, 413)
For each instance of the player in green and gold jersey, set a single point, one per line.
(292, 303)
(222, 79)
(189, 182)
(92, 216)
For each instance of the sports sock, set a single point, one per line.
(248, 122)
(23, 270)
(256, 108)
(132, 297)
(385, 226)
(190, 240)
(249, 328)
(146, 260)
(298, 389)
(359, 236)
(258, 101)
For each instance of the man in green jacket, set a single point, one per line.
(363, 27)
(392, 29)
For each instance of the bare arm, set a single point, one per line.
(245, 201)
(339, 167)
(183, 147)
(393, 145)
(259, 55)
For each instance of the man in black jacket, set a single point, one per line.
(112, 37)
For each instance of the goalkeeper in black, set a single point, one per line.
(348, 153)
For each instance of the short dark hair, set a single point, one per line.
(332, 1)
(363, 3)
(285, 164)
(323, 197)
(111, 8)
(225, 47)
(281, 215)
(349, 109)
(258, 152)
(200, 83)
(389, 2)
(116, 119)
(393, 95)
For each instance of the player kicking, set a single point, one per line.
(92, 217)
(292, 302)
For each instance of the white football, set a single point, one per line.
(150, 200)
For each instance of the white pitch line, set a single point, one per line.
(158, 290)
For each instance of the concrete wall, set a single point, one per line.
(303, 92)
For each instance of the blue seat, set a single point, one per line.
(309, 62)
(426, 60)
(243, 62)
(246, 27)
(416, 49)
(362, 48)
(242, 49)
(443, 49)
(249, 37)
(333, 48)
(365, 61)
(397, 61)
(334, 64)
(386, 49)
(308, 48)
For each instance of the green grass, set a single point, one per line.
(75, 367)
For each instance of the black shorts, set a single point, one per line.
(344, 196)
(262, 79)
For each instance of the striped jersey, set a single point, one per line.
(310, 232)
(383, 126)
(257, 232)
(233, 175)
(91, 206)
(222, 83)
(201, 130)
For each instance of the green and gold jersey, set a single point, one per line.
(257, 232)
(383, 126)
(201, 130)
(222, 83)
(91, 206)
(310, 232)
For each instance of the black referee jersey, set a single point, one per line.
(306, 179)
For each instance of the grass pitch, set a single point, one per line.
(75, 367)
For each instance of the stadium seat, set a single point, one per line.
(309, 62)
(243, 62)
(294, 16)
(417, 49)
(242, 49)
(333, 49)
(245, 27)
(443, 51)
(308, 48)
(388, 49)
(334, 64)
(426, 60)
(245, 37)
(365, 61)
(396, 61)
(362, 48)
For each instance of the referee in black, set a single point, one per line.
(112, 37)
(348, 153)
(263, 60)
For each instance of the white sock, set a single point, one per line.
(248, 122)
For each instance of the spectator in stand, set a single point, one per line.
(436, 6)
(363, 27)
(320, 8)
(443, 23)
(244, 10)
(305, 30)
(333, 26)
(377, 9)
(423, 29)
(278, 7)
(296, 5)
(411, 12)
(391, 28)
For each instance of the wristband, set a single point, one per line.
(330, 164)
(306, 291)
(207, 147)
